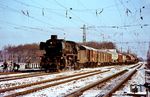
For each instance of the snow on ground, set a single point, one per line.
(62, 89)
(105, 87)
(17, 82)
(138, 78)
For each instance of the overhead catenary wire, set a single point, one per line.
(34, 18)
(47, 0)
(24, 27)
(94, 12)
(44, 10)
(132, 21)
(39, 7)
(33, 28)
(70, 10)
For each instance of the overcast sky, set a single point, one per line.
(124, 22)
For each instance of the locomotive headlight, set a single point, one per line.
(51, 42)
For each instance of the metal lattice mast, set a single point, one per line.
(84, 33)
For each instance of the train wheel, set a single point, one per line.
(76, 66)
(47, 70)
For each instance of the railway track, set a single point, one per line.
(46, 83)
(5, 73)
(35, 86)
(7, 78)
(113, 83)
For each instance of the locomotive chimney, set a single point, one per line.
(53, 37)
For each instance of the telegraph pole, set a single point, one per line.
(64, 36)
(84, 33)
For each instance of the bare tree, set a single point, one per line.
(101, 45)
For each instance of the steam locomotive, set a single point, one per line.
(61, 54)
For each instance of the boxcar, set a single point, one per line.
(87, 57)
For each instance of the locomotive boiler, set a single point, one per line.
(59, 54)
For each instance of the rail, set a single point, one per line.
(48, 85)
(80, 91)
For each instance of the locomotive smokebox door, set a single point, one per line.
(54, 37)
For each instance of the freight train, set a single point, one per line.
(61, 54)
